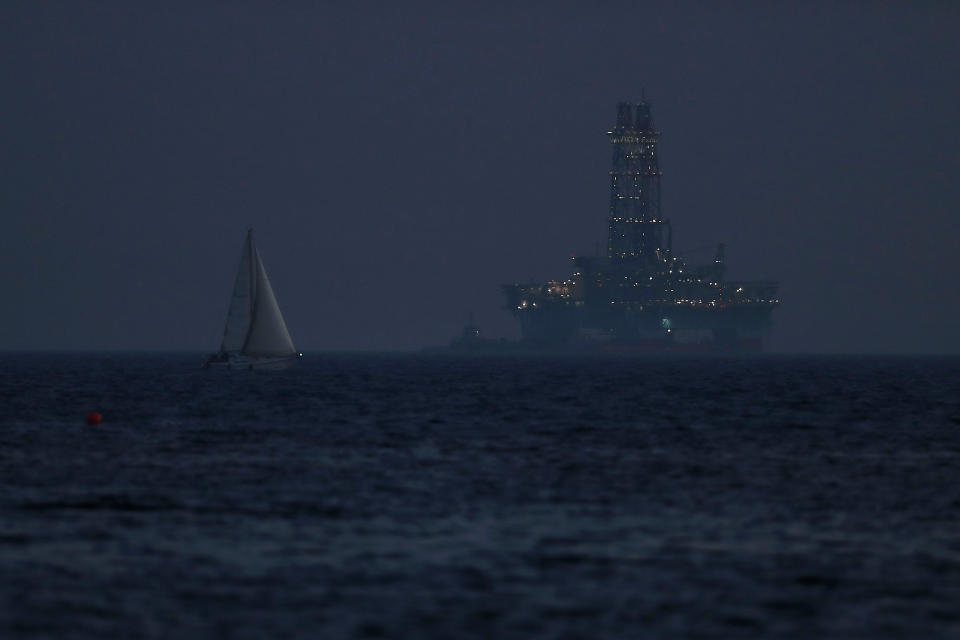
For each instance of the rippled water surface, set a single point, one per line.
(413, 497)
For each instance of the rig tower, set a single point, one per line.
(636, 225)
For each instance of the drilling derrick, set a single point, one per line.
(635, 226)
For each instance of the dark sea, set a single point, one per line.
(406, 496)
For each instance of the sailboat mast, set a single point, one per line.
(252, 252)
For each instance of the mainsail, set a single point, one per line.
(255, 326)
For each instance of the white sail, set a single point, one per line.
(255, 336)
(267, 335)
(241, 303)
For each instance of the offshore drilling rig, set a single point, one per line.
(641, 297)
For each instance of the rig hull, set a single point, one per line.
(654, 330)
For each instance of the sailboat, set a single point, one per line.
(255, 335)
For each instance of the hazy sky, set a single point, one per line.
(400, 161)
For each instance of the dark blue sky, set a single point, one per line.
(399, 162)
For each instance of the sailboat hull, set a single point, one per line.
(246, 363)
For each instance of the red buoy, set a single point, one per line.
(94, 418)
